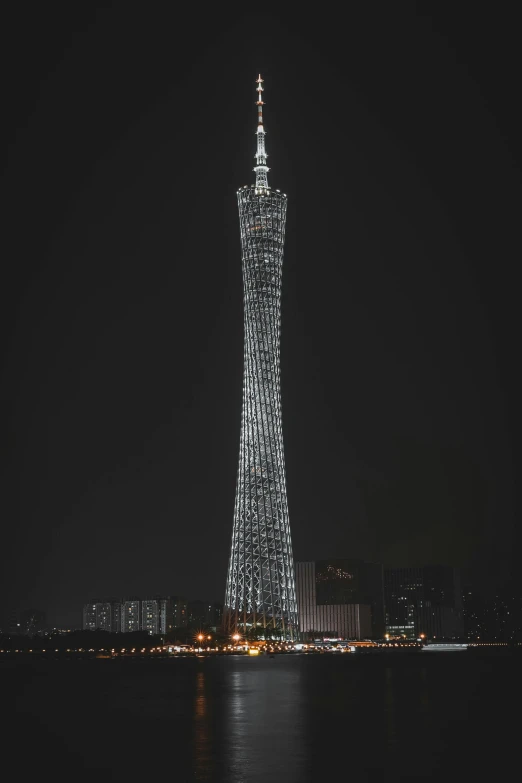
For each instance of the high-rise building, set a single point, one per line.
(403, 590)
(130, 615)
(103, 617)
(167, 614)
(199, 613)
(351, 581)
(260, 588)
(151, 615)
(32, 621)
(336, 597)
(204, 614)
(180, 612)
(155, 615)
(216, 615)
(115, 615)
(89, 616)
(426, 600)
(173, 613)
(492, 618)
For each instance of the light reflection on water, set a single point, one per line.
(265, 723)
(244, 720)
(202, 745)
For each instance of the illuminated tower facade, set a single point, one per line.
(260, 591)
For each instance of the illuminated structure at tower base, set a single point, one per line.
(260, 592)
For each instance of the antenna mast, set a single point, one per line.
(260, 168)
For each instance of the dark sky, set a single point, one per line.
(396, 136)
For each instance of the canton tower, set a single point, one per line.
(260, 592)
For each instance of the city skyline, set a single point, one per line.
(397, 144)
(342, 597)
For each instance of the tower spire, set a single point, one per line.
(260, 168)
(259, 103)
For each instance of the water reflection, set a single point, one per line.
(291, 718)
(264, 735)
(202, 732)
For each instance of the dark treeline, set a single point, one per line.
(88, 640)
(104, 640)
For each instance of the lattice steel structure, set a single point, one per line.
(260, 592)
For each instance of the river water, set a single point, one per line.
(237, 719)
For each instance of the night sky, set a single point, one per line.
(128, 131)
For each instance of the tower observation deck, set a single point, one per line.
(260, 590)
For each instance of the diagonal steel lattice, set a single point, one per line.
(260, 591)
